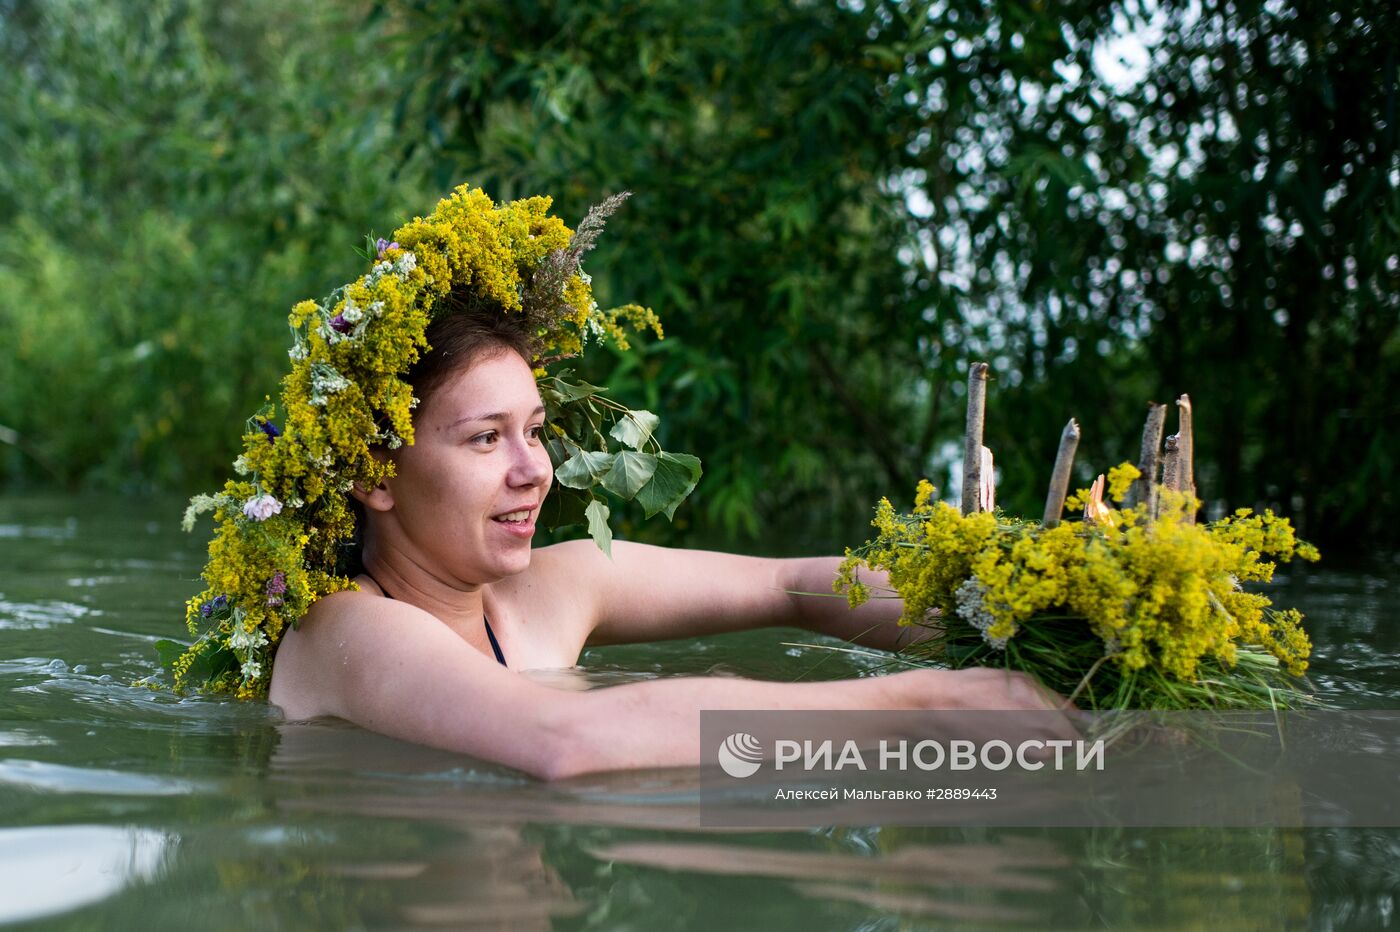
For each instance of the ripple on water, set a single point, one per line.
(45, 777)
(51, 869)
(66, 531)
(35, 616)
(23, 739)
(92, 582)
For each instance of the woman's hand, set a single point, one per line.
(981, 688)
(984, 703)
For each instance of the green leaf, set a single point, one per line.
(576, 391)
(634, 428)
(563, 507)
(582, 470)
(630, 471)
(558, 453)
(169, 651)
(211, 661)
(598, 528)
(675, 477)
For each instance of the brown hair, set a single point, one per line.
(457, 340)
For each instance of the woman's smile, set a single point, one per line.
(520, 522)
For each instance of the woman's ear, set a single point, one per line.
(378, 498)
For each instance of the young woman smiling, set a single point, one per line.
(454, 603)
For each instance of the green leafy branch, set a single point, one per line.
(627, 461)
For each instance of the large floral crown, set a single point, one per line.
(284, 524)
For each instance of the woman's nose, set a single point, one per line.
(531, 467)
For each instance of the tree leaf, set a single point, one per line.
(575, 391)
(169, 651)
(581, 471)
(675, 477)
(211, 662)
(630, 471)
(634, 428)
(598, 529)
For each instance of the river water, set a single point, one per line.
(121, 807)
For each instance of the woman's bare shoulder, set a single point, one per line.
(397, 670)
(310, 669)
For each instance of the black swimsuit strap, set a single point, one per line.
(490, 635)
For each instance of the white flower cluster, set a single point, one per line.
(401, 267)
(203, 503)
(243, 640)
(326, 381)
(972, 608)
(245, 644)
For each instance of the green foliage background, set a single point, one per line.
(838, 206)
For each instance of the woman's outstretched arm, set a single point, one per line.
(657, 723)
(646, 593)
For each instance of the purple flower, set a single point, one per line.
(383, 245)
(219, 604)
(206, 609)
(276, 586)
(270, 429)
(340, 325)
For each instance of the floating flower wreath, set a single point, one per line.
(283, 523)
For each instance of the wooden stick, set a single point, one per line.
(1186, 448)
(1059, 478)
(1144, 487)
(972, 446)
(1170, 459)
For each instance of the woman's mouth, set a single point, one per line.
(519, 524)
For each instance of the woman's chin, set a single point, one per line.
(510, 562)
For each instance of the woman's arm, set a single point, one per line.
(646, 593)
(396, 670)
(657, 723)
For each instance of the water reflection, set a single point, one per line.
(56, 868)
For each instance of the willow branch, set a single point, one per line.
(1170, 460)
(1144, 487)
(972, 444)
(1059, 479)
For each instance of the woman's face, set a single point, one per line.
(468, 491)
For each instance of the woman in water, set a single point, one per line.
(453, 602)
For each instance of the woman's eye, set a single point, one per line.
(534, 432)
(485, 439)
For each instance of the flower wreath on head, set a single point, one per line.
(283, 524)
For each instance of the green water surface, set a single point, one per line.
(125, 808)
